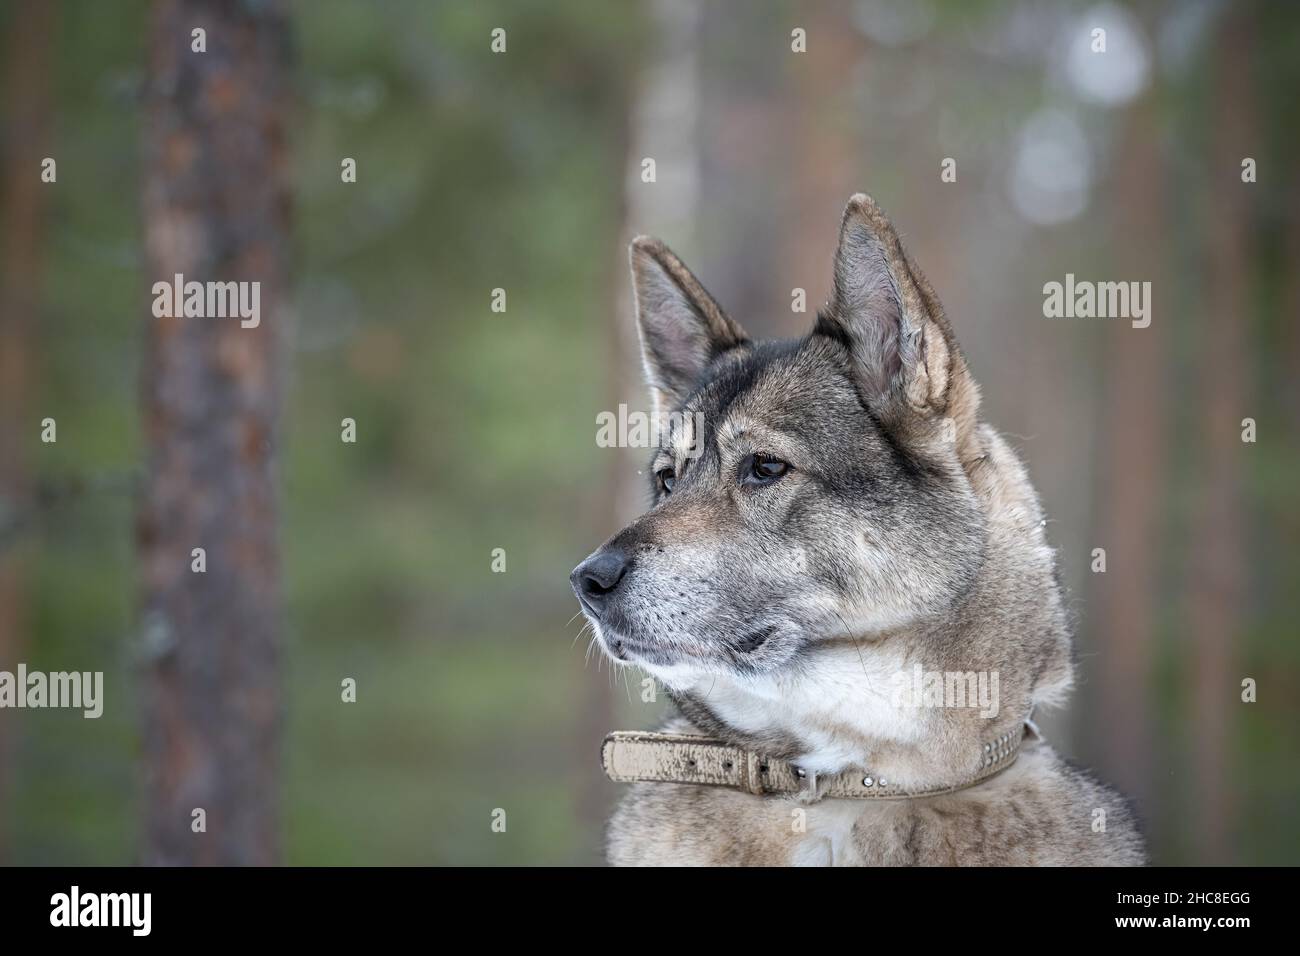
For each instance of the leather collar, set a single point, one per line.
(646, 757)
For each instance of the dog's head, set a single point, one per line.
(804, 491)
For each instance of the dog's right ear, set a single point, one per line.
(682, 328)
(884, 312)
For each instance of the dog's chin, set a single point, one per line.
(623, 649)
(679, 667)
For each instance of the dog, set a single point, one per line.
(845, 586)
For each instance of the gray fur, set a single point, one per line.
(904, 534)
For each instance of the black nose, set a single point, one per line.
(596, 578)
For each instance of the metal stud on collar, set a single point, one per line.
(1001, 748)
(810, 780)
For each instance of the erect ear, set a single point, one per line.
(682, 329)
(884, 312)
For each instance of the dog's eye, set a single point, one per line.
(761, 470)
(666, 478)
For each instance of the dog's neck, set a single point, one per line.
(844, 709)
(883, 701)
(916, 705)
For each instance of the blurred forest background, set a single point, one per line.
(476, 429)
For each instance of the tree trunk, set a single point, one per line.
(663, 125)
(1132, 480)
(216, 203)
(26, 136)
(1217, 580)
(823, 157)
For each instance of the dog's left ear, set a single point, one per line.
(682, 328)
(884, 312)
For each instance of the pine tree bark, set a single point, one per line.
(216, 207)
(26, 136)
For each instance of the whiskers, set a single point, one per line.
(589, 630)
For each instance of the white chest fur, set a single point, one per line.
(838, 697)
